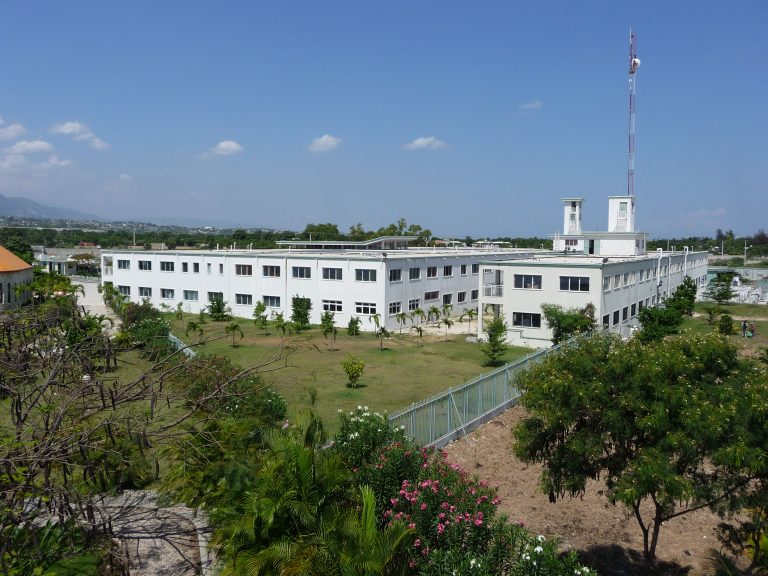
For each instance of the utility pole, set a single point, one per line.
(634, 64)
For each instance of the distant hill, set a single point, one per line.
(24, 208)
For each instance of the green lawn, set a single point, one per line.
(757, 313)
(404, 372)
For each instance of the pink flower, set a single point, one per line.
(411, 525)
(423, 506)
(417, 542)
(440, 528)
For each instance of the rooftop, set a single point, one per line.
(9, 262)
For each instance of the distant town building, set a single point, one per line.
(14, 272)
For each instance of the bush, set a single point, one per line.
(494, 349)
(363, 434)
(354, 368)
(151, 336)
(725, 324)
(219, 311)
(353, 326)
(300, 310)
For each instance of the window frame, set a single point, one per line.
(301, 272)
(533, 319)
(332, 273)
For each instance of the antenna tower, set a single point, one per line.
(634, 64)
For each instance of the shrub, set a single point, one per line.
(300, 310)
(725, 324)
(494, 349)
(354, 368)
(353, 326)
(363, 434)
(218, 310)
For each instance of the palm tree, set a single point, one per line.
(193, 328)
(381, 331)
(419, 333)
(433, 313)
(233, 329)
(418, 313)
(282, 325)
(448, 323)
(401, 318)
(260, 314)
(447, 308)
(470, 314)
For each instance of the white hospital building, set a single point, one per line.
(609, 269)
(380, 276)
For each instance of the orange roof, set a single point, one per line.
(9, 262)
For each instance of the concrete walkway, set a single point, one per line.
(94, 304)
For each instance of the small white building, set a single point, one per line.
(380, 276)
(14, 272)
(610, 270)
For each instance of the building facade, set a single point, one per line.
(348, 282)
(14, 272)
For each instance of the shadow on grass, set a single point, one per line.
(615, 560)
(356, 386)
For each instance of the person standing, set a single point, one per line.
(743, 328)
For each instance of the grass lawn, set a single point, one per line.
(757, 313)
(404, 372)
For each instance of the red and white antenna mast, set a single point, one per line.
(634, 64)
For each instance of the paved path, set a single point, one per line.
(94, 304)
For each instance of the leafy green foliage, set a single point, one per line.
(362, 434)
(684, 297)
(233, 330)
(260, 314)
(725, 324)
(646, 419)
(218, 310)
(18, 246)
(658, 322)
(353, 326)
(719, 290)
(496, 346)
(567, 323)
(353, 367)
(300, 311)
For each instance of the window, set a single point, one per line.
(431, 271)
(461, 297)
(332, 274)
(463, 269)
(365, 275)
(624, 313)
(271, 301)
(243, 270)
(640, 306)
(124, 290)
(574, 283)
(244, 299)
(190, 295)
(641, 275)
(413, 304)
(396, 275)
(215, 296)
(475, 268)
(271, 271)
(414, 273)
(166, 266)
(332, 305)
(123, 264)
(474, 295)
(633, 310)
(606, 320)
(145, 265)
(526, 319)
(196, 267)
(615, 317)
(395, 308)
(607, 284)
(221, 268)
(184, 267)
(208, 268)
(302, 272)
(447, 271)
(617, 281)
(528, 281)
(166, 293)
(430, 296)
(626, 278)
(447, 299)
(145, 292)
(365, 308)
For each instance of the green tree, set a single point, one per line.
(353, 367)
(658, 322)
(496, 345)
(725, 325)
(684, 297)
(232, 330)
(300, 311)
(328, 325)
(567, 323)
(260, 314)
(19, 247)
(353, 326)
(193, 328)
(647, 420)
(470, 314)
(402, 318)
(218, 309)
(447, 322)
(719, 290)
(381, 330)
(282, 325)
(433, 313)
(418, 313)
(419, 329)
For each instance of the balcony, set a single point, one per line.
(106, 271)
(493, 290)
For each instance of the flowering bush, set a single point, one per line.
(362, 434)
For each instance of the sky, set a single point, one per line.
(469, 118)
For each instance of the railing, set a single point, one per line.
(493, 290)
(452, 414)
(179, 345)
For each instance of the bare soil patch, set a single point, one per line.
(605, 535)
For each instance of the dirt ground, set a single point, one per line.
(605, 536)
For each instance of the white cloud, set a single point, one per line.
(29, 147)
(54, 162)
(425, 143)
(325, 143)
(11, 161)
(79, 132)
(223, 148)
(125, 178)
(11, 131)
(530, 106)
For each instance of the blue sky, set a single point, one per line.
(466, 117)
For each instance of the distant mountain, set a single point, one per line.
(24, 208)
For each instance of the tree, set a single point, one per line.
(353, 367)
(20, 248)
(218, 309)
(300, 311)
(567, 323)
(327, 325)
(193, 328)
(418, 313)
(648, 420)
(496, 346)
(282, 325)
(353, 326)
(447, 322)
(419, 333)
(658, 322)
(381, 330)
(233, 329)
(470, 314)
(684, 297)
(433, 313)
(402, 318)
(260, 314)
(719, 290)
